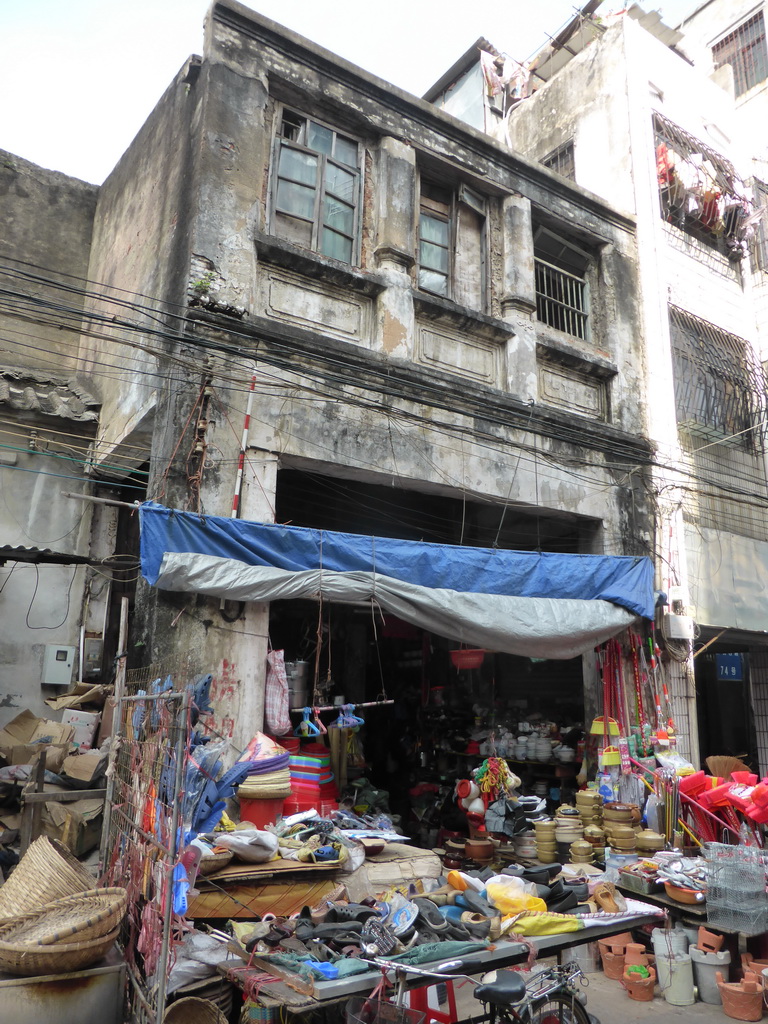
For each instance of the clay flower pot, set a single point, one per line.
(639, 988)
(742, 1000)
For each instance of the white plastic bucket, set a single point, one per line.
(675, 976)
(587, 956)
(669, 941)
(705, 967)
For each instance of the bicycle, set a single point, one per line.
(550, 996)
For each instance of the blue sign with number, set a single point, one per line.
(729, 667)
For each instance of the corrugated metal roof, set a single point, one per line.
(47, 556)
(31, 391)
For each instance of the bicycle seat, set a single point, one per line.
(508, 988)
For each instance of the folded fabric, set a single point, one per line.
(441, 951)
(533, 922)
(250, 845)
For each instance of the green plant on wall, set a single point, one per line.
(203, 285)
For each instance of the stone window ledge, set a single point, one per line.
(431, 307)
(277, 252)
(554, 347)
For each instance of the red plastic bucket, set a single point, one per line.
(261, 812)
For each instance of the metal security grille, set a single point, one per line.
(720, 394)
(699, 190)
(746, 51)
(758, 680)
(759, 241)
(561, 299)
(719, 388)
(561, 161)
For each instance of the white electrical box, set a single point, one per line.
(678, 627)
(57, 665)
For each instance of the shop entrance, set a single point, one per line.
(724, 706)
(438, 727)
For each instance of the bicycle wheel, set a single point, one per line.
(561, 1008)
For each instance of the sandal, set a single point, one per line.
(349, 912)
(377, 935)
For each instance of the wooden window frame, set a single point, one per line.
(449, 212)
(288, 117)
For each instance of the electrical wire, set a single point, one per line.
(335, 381)
(34, 595)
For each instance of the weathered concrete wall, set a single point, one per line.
(47, 219)
(38, 605)
(140, 259)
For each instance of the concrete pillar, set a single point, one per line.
(395, 247)
(249, 636)
(518, 299)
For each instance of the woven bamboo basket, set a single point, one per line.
(46, 872)
(193, 1011)
(89, 915)
(214, 862)
(58, 958)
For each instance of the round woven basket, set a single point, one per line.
(58, 958)
(88, 915)
(214, 862)
(193, 1010)
(46, 872)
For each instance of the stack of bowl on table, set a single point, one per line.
(546, 844)
(568, 830)
(618, 823)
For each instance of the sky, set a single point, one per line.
(79, 77)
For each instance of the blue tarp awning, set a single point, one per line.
(418, 581)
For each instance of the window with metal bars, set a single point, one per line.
(699, 190)
(562, 287)
(759, 240)
(316, 187)
(746, 51)
(719, 387)
(561, 161)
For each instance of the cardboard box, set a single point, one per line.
(22, 738)
(85, 767)
(77, 825)
(82, 695)
(84, 724)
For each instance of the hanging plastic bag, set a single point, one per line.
(276, 707)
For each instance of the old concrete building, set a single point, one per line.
(728, 41)
(433, 337)
(626, 115)
(52, 603)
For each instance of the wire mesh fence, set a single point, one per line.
(142, 827)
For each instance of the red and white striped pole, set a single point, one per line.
(243, 450)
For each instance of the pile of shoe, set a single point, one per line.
(561, 895)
